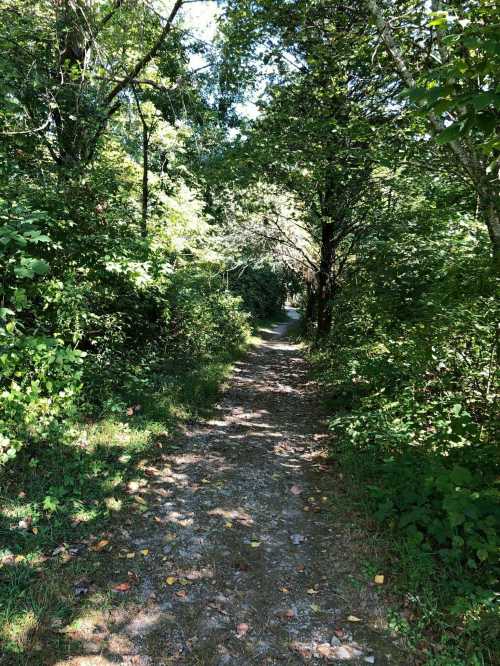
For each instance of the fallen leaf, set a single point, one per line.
(228, 525)
(34, 530)
(122, 587)
(145, 552)
(353, 618)
(130, 411)
(242, 629)
(130, 556)
(100, 545)
(315, 608)
(311, 590)
(284, 590)
(296, 490)
(379, 579)
(170, 580)
(255, 544)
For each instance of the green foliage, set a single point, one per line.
(40, 375)
(410, 368)
(203, 317)
(463, 87)
(261, 287)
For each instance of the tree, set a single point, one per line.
(447, 56)
(319, 131)
(67, 95)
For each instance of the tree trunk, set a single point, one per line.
(145, 183)
(324, 293)
(309, 314)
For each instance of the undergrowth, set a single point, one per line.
(58, 500)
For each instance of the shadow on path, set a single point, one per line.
(246, 556)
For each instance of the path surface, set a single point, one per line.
(246, 557)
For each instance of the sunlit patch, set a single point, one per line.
(83, 516)
(187, 459)
(19, 628)
(239, 515)
(184, 520)
(176, 479)
(86, 660)
(113, 504)
(119, 644)
(197, 574)
(143, 623)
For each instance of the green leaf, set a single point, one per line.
(482, 100)
(449, 134)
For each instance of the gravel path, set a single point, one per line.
(244, 555)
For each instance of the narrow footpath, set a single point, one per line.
(247, 554)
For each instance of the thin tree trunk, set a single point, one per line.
(145, 183)
(324, 293)
(310, 302)
(146, 133)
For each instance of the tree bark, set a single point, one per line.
(145, 183)
(324, 293)
(309, 314)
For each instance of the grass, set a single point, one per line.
(57, 502)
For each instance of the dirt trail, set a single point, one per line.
(247, 557)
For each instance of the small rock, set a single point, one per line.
(370, 659)
(81, 588)
(297, 539)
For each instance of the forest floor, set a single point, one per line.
(245, 551)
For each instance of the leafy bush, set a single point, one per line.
(40, 375)
(261, 287)
(204, 318)
(410, 372)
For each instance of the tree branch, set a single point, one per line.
(139, 66)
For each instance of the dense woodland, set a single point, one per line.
(162, 193)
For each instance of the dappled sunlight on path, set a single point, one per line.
(239, 558)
